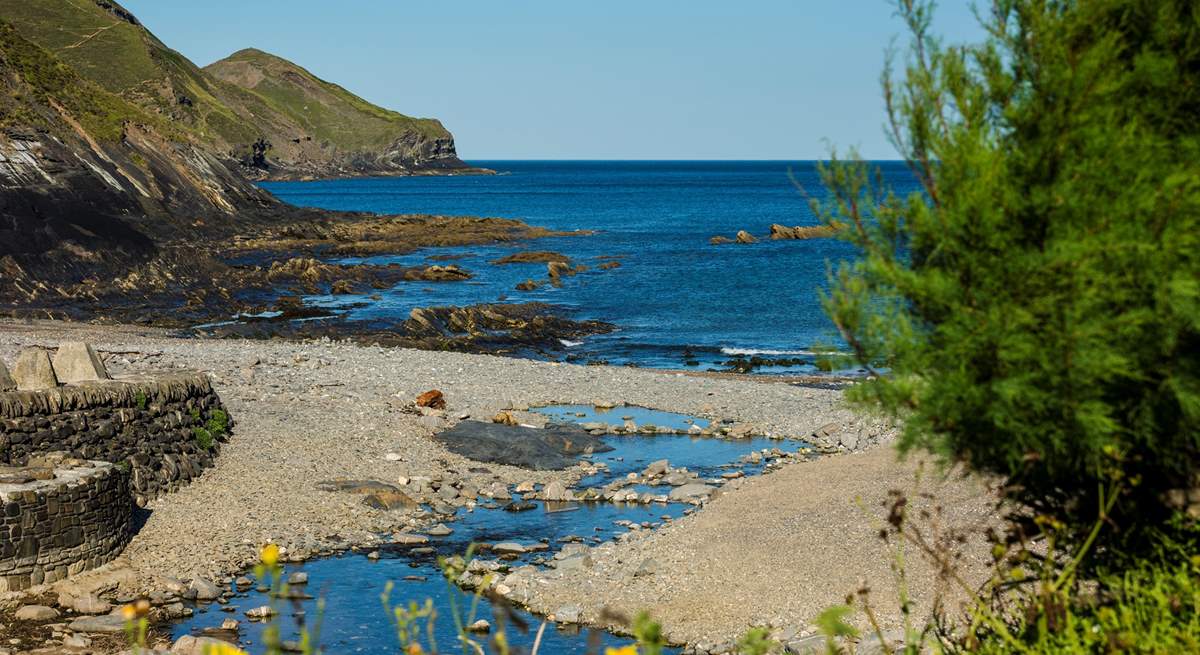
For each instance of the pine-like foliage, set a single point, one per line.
(1035, 310)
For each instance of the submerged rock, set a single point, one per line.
(745, 237)
(553, 447)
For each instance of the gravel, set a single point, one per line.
(312, 412)
(779, 550)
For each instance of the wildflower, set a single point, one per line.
(135, 610)
(269, 555)
(223, 648)
(624, 650)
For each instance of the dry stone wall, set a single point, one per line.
(160, 429)
(71, 519)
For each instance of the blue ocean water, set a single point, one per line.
(674, 294)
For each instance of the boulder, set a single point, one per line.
(557, 492)
(108, 624)
(745, 237)
(389, 500)
(800, 232)
(657, 468)
(527, 285)
(36, 613)
(718, 240)
(691, 492)
(508, 548)
(205, 589)
(432, 399)
(33, 370)
(192, 645)
(568, 614)
(77, 362)
(558, 269)
(7, 383)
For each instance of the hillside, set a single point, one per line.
(317, 123)
(274, 117)
(90, 183)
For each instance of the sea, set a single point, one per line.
(677, 300)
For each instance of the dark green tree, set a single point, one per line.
(1035, 310)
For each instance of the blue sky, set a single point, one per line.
(566, 79)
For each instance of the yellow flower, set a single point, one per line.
(414, 649)
(136, 609)
(624, 650)
(223, 649)
(269, 555)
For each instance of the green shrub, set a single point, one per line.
(204, 438)
(1036, 306)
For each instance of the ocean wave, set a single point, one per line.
(751, 352)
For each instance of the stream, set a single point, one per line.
(351, 584)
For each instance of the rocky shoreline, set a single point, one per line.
(314, 413)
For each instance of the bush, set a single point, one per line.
(1035, 310)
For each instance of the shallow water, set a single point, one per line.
(675, 298)
(350, 584)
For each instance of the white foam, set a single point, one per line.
(765, 351)
(567, 343)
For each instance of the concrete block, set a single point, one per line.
(77, 362)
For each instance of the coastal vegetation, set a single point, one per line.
(1034, 311)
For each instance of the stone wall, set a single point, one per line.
(149, 423)
(76, 518)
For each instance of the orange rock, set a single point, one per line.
(432, 399)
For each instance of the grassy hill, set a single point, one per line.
(314, 128)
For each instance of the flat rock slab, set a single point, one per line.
(33, 371)
(553, 447)
(77, 362)
(108, 623)
(378, 495)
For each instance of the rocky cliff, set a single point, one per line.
(275, 118)
(319, 129)
(90, 183)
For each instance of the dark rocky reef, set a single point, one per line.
(553, 447)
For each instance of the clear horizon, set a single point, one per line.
(705, 81)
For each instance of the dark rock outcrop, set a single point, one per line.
(552, 447)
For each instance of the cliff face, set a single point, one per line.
(89, 182)
(275, 118)
(318, 129)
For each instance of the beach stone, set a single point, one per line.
(91, 604)
(553, 447)
(36, 613)
(193, 645)
(33, 370)
(433, 399)
(205, 589)
(568, 614)
(76, 641)
(7, 383)
(480, 626)
(389, 500)
(263, 612)
(657, 468)
(691, 491)
(298, 578)
(106, 624)
(508, 548)
(409, 539)
(525, 487)
(77, 362)
(556, 492)
(440, 530)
